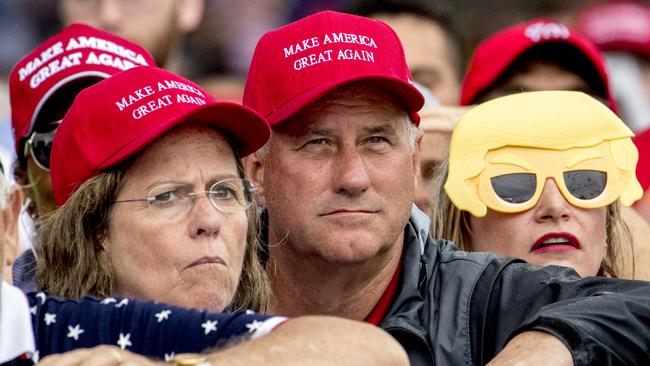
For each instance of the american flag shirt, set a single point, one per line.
(147, 328)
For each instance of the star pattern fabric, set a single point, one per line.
(147, 328)
(163, 315)
(49, 318)
(254, 326)
(209, 326)
(124, 341)
(75, 332)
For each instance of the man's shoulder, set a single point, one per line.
(449, 252)
(439, 250)
(445, 253)
(440, 256)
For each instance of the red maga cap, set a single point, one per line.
(621, 26)
(78, 52)
(296, 64)
(495, 54)
(122, 115)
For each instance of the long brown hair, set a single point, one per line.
(449, 222)
(73, 261)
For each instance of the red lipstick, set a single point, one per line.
(555, 241)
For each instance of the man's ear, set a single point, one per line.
(254, 169)
(417, 155)
(190, 14)
(10, 217)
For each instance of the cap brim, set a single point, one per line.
(244, 128)
(407, 93)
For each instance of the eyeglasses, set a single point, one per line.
(228, 196)
(40, 145)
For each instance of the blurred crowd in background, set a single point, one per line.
(222, 45)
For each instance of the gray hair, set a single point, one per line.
(411, 135)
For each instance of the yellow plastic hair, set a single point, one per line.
(556, 120)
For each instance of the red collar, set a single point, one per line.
(379, 312)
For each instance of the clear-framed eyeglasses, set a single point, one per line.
(171, 201)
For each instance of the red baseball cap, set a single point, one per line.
(77, 55)
(120, 116)
(496, 54)
(296, 64)
(621, 26)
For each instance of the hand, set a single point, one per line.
(440, 118)
(533, 348)
(97, 356)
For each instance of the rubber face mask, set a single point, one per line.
(503, 151)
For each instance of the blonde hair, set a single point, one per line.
(73, 262)
(451, 223)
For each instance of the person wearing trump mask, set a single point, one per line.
(540, 176)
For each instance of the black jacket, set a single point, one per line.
(459, 308)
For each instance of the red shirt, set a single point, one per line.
(379, 312)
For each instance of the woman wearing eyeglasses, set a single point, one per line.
(152, 199)
(540, 176)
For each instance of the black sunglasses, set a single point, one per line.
(40, 145)
(521, 187)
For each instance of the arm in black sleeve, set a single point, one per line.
(147, 328)
(601, 320)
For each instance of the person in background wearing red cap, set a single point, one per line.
(536, 55)
(337, 181)
(42, 86)
(156, 208)
(542, 54)
(156, 25)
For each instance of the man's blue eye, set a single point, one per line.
(377, 139)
